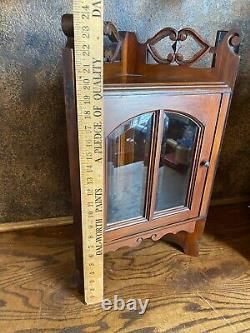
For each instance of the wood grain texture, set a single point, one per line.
(210, 293)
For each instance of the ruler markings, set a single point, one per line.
(88, 32)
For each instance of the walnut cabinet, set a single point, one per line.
(164, 115)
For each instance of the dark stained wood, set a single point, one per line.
(187, 294)
(110, 30)
(189, 242)
(220, 129)
(134, 60)
(72, 131)
(133, 87)
(129, 53)
(227, 59)
(133, 235)
(177, 37)
(151, 200)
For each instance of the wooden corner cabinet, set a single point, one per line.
(164, 115)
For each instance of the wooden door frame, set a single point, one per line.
(203, 109)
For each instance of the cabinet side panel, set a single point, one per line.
(220, 129)
(71, 117)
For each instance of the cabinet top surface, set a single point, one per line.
(190, 81)
(165, 62)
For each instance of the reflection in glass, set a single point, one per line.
(127, 168)
(177, 152)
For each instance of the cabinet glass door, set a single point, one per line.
(128, 153)
(158, 149)
(178, 146)
(150, 166)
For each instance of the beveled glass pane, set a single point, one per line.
(127, 168)
(176, 160)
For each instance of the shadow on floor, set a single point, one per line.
(231, 224)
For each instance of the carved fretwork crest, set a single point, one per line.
(114, 40)
(178, 38)
(112, 52)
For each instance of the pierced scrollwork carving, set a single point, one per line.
(154, 235)
(178, 37)
(112, 54)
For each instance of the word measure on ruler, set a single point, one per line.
(88, 36)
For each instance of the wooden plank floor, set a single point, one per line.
(210, 293)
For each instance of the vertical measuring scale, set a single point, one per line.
(88, 37)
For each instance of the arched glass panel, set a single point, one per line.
(128, 153)
(176, 160)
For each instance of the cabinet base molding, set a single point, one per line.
(186, 235)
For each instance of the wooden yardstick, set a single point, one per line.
(88, 33)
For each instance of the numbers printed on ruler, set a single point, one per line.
(88, 31)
